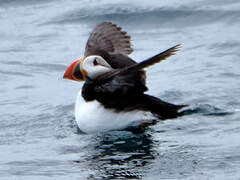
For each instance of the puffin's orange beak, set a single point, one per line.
(73, 72)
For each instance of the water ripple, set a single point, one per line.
(165, 17)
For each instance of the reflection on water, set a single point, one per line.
(121, 154)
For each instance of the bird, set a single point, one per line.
(113, 96)
(111, 43)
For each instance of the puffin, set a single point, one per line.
(113, 96)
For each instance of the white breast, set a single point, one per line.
(92, 117)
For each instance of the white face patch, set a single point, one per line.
(95, 66)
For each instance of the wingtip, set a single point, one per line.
(178, 46)
(173, 50)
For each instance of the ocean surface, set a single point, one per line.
(39, 139)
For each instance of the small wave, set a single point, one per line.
(45, 66)
(22, 2)
(206, 110)
(171, 17)
(227, 48)
(225, 45)
(49, 66)
(173, 95)
(24, 87)
(14, 73)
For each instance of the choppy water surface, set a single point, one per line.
(38, 135)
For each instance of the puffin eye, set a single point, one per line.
(95, 62)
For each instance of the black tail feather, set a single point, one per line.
(162, 109)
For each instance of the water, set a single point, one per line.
(38, 135)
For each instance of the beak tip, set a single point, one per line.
(64, 76)
(69, 73)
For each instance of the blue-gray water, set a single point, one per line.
(38, 135)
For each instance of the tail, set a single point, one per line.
(162, 109)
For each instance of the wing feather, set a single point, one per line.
(110, 38)
(139, 66)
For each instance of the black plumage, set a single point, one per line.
(113, 45)
(122, 90)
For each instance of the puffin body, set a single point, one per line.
(93, 117)
(113, 95)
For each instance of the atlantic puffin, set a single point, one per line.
(113, 94)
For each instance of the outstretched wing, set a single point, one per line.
(153, 60)
(125, 84)
(139, 66)
(110, 38)
(127, 81)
